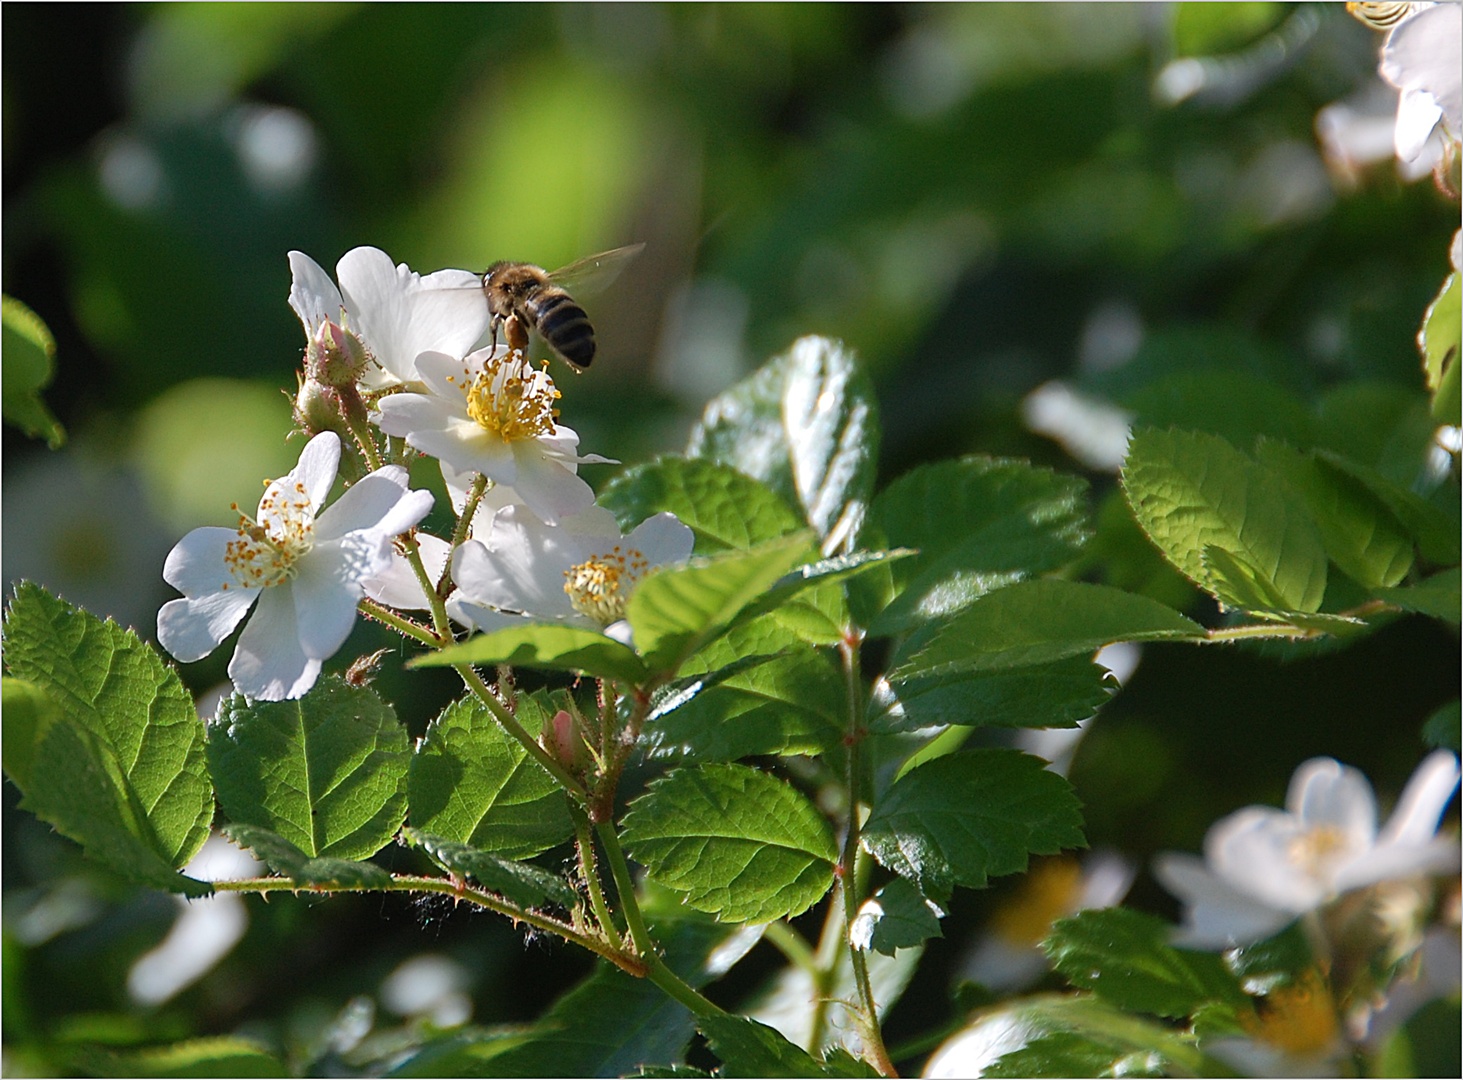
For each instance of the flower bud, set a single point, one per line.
(335, 356)
(320, 408)
(562, 739)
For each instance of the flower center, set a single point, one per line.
(1299, 1018)
(600, 586)
(267, 550)
(512, 400)
(1317, 848)
(1049, 891)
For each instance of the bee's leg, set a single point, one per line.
(517, 334)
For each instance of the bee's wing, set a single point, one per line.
(595, 272)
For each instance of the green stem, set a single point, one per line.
(510, 724)
(848, 860)
(402, 626)
(584, 840)
(625, 886)
(792, 945)
(458, 891)
(429, 587)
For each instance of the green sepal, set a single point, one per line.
(522, 883)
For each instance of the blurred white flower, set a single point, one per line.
(493, 413)
(304, 570)
(1423, 58)
(581, 572)
(1263, 868)
(396, 313)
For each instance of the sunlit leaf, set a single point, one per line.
(213, 1056)
(735, 841)
(895, 917)
(30, 361)
(1437, 596)
(327, 773)
(723, 507)
(1439, 340)
(545, 645)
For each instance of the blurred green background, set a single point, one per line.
(978, 198)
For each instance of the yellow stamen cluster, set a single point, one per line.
(600, 586)
(265, 554)
(511, 399)
(1049, 891)
(1299, 1018)
(1316, 848)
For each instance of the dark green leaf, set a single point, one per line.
(726, 509)
(1124, 957)
(1438, 339)
(1438, 596)
(1036, 622)
(219, 1055)
(977, 523)
(1235, 405)
(107, 681)
(523, 883)
(1058, 693)
(787, 704)
(677, 610)
(960, 819)
(737, 842)
(289, 861)
(1191, 491)
(1362, 536)
(545, 645)
(1442, 727)
(806, 425)
(30, 361)
(470, 782)
(747, 1048)
(326, 772)
(895, 917)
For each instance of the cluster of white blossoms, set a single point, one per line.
(400, 351)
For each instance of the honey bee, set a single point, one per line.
(524, 297)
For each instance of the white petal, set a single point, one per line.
(379, 503)
(268, 664)
(1424, 53)
(1217, 915)
(481, 617)
(1423, 801)
(662, 539)
(400, 314)
(316, 470)
(1418, 113)
(193, 627)
(546, 486)
(1325, 792)
(397, 586)
(1392, 862)
(326, 591)
(521, 568)
(404, 414)
(1253, 850)
(447, 376)
(195, 566)
(312, 294)
(468, 448)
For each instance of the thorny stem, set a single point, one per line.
(458, 891)
(402, 626)
(584, 841)
(429, 587)
(848, 860)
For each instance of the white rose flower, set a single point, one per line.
(1423, 58)
(305, 568)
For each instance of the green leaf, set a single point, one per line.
(218, 1055)
(895, 917)
(25, 712)
(1058, 693)
(108, 681)
(737, 842)
(1238, 406)
(289, 861)
(677, 610)
(806, 425)
(1124, 957)
(30, 361)
(963, 818)
(1437, 596)
(523, 883)
(1439, 339)
(1082, 1036)
(545, 645)
(470, 782)
(978, 523)
(726, 509)
(326, 772)
(1191, 491)
(1434, 529)
(1360, 533)
(1036, 622)
(748, 1048)
(787, 704)
(806, 601)
(1442, 727)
